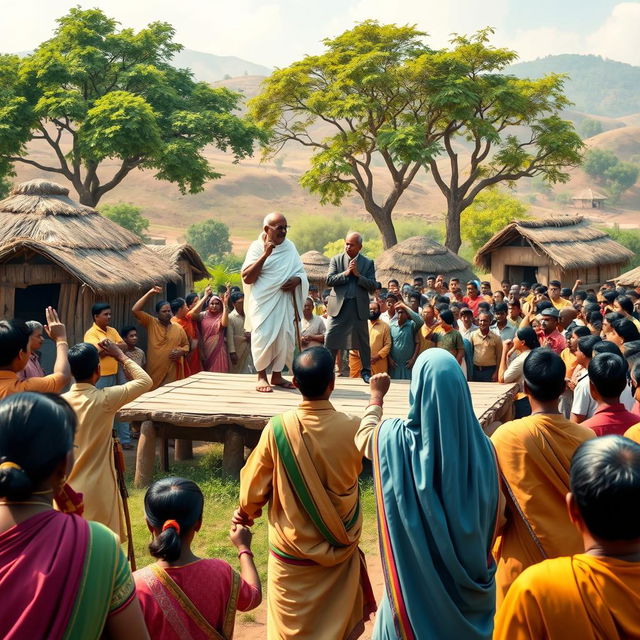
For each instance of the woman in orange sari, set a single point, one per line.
(61, 577)
(185, 314)
(184, 596)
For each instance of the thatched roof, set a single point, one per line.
(629, 278)
(589, 194)
(420, 256)
(316, 265)
(173, 253)
(568, 241)
(40, 218)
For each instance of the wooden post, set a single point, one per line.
(184, 449)
(146, 455)
(233, 452)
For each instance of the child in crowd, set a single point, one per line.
(183, 596)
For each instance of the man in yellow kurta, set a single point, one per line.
(167, 342)
(534, 454)
(306, 467)
(595, 594)
(94, 473)
(379, 341)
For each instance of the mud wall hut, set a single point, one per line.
(56, 252)
(565, 248)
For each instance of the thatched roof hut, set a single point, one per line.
(184, 259)
(589, 199)
(54, 251)
(316, 266)
(629, 278)
(420, 256)
(565, 248)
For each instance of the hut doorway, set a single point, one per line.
(174, 291)
(516, 274)
(31, 302)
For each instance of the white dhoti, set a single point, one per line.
(269, 311)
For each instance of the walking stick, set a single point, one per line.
(297, 322)
(118, 456)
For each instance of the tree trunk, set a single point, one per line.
(452, 236)
(382, 217)
(87, 198)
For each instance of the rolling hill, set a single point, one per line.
(595, 85)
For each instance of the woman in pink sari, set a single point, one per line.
(61, 577)
(213, 323)
(183, 596)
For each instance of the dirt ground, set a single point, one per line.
(257, 630)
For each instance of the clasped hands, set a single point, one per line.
(291, 284)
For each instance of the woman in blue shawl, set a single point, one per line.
(437, 495)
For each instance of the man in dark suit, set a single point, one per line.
(352, 278)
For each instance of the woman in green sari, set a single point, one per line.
(61, 577)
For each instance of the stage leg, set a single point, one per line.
(146, 455)
(184, 449)
(233, 452)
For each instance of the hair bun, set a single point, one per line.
(15, 484)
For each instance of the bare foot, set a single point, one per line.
(263, 386)
(278, 381)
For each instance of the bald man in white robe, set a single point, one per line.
(274, 281)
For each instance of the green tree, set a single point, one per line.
(589, 128)
(313, 233)
(598, 161)
(621, 176)
(629, 238)
(492, 211)
(127, 216)
(381, 91)
(95, 92)
(210, 239)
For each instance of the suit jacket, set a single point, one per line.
(338, 282)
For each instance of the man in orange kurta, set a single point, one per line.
(534, 454)
(306, 467)
(379, 341)
(167, 343)
(596, 594)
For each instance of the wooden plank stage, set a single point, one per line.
(224, 407)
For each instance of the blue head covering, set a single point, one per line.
(439, 484)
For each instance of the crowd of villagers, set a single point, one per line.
(527, 533)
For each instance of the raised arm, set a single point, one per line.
(252, 272)
(138, 307)
(378, 385)
(225, 308)
(58, 333)
(139, 380)
(198, 305)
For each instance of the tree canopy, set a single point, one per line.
(380, 91)
(491, 211)
(210, 239)
(95, 92)
(128, 216)
(605, 167)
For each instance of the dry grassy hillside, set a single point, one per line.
(251, 189)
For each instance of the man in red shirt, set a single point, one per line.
(473, 297)
(607, 380)
(548, 333)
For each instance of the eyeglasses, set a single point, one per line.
(280, 227)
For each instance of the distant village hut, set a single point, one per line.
(56, 252)
(589, 199)
(184, 259)
(316, 266)
(566, 248)
(420, 256)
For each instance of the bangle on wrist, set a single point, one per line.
(247, 552)
(61, 342)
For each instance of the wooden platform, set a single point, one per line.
(219, 407)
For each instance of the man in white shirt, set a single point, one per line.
(390, 316)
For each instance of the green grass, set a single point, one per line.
(220, 500)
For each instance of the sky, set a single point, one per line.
(278, 32)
